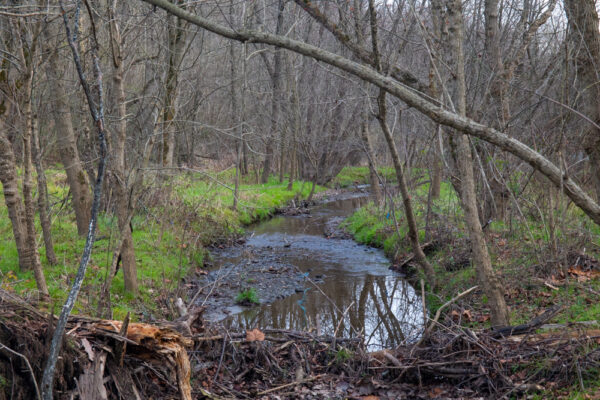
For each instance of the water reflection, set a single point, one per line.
(359, 295)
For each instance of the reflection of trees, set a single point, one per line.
(387, 308)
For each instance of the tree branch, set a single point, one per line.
(97, 111)
(410, 97)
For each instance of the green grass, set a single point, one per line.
(247, 296)
(169, 240)
(374, 226)
(350, 176)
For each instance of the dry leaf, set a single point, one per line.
(455, 315)
(467, 315)
(436, 392)
(255, 336)
(483, 317)
(370, 397)
(582, 275)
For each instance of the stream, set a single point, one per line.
(307, 280)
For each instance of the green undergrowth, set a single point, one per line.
(170, 235)
(376, 225)
(519, 246)
(522, 255)
(350, 176)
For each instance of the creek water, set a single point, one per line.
(349, 289)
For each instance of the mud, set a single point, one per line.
(309, 274)
(263, 271)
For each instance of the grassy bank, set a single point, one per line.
(536, 274)
(351, 176)
(520, 247)
(172, 228)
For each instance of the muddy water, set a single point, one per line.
(348, 288)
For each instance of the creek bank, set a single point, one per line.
(262, 269)
(307, 275)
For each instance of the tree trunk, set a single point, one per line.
(12, 197)
(119, 137)
(490, 283)
(366, 140)
(276, 99)
(67, 147)
(42, 198)
(296, 117)
(238, 114)
(436, 168)
(413, 231)
(585, 38)
(32, 253)
(176, 44)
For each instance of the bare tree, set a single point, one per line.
(585, 38)
(67, 146)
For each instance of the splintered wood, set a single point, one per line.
(105, 358)
(154, 344)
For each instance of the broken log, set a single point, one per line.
(403, 264)
(103, 355)
(505, 331)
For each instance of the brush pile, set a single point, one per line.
(116, 359)
(101, 359)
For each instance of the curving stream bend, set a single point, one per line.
(348, 288)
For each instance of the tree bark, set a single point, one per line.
(585, 38)
(176, 44)
(12, 197)
(67, 147)
(42, 197)
(31, 244)
(366, 140)
(118, 141)
(488, 279)
(276, 99)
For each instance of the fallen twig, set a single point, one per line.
(446, 304)
(35, 385)
(312, 378)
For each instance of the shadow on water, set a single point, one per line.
(357, 294)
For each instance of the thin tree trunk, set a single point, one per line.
(12, 197)
(176, 44)
(436, 169)
(238, 113)
(119, 137)
(413, 232)
(42, 198)
(96, 109)
(31, 244)
(490, 283)
(276, 99)
(373, 178)
(67, 147)
(296, 111)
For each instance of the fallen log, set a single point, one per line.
(403, 264)
(505, 331)
(102, 355)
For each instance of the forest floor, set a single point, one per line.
(461, 358)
